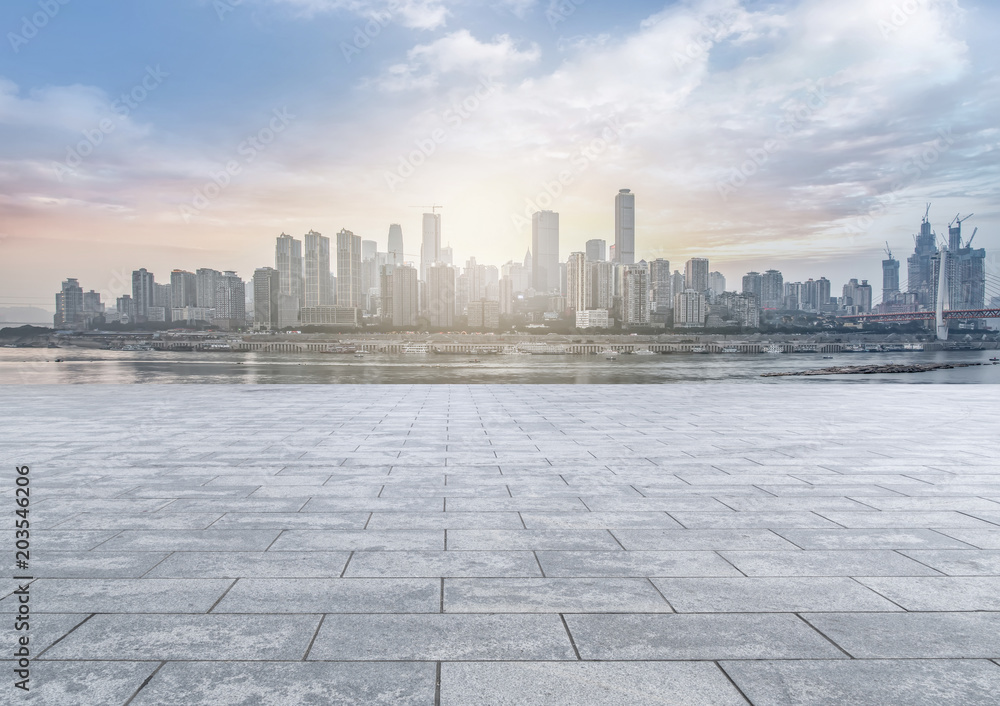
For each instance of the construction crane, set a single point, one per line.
(888, 251)
(927, 213)
(959, 220)
(974, 231)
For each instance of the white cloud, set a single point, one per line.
(417, 14)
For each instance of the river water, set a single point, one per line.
(80, 366)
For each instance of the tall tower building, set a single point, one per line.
(143, 293)
(430, 245)
(206, 279)
(920, 265)
(183, 289)
(597, 249)
(349, 285)
(753, 283)
(772, 291)
(404, 296)
(395, 245)
(441, 295)
(696, 274)
(69, 305)
(890, 279)
(230, 301)
(545, 251)
(661, 297)
(266, 289)
(577, 282)
(625, 227)
(288, 263)
(635, 295)
(602, 285)
(716, 283)
(690, 309)
(317, 262)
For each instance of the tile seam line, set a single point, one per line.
(145, 682)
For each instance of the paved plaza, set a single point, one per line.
(469, 545)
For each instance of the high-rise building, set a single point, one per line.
(577, 282)
(602, 284)
(545, 251)
(183, 289)
(69, 305)
(369, 275)
(676, 285)
(696, 274)
(143, 289)
(230, 301)
(430, 245)
(317, 270)
(716, 283)
(772, 290)
(690, 309)
(625, 227)
(890, 279)
(206, 279)
(349, 277)
(506, 295)
(266, 289)
(920, 265)
(447, 255)
(966, 271)
(441, 295)
(635, 295)
(288, 263)
(126, 309)
(93, 309)
(597, 249)
(753, 283)
(794, 298)
(858, 296)
(404, 296)
(660, 296)
(484, 314)
(395, 245)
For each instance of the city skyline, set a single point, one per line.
(313, 115)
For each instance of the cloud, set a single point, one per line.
(416, 14)
(457, 53)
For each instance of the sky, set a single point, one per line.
(799, 135)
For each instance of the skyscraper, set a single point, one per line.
(69, 305)
(635, 295)
(690, 309)
(404, 296)
(441, 295)
(143, 293)
(266, 288)
(577, 282)
(183, 289)
(545, 251)
(920, 266)
(753, 283)
(696, 274)
(597, 249)
(349, 291)
(625, 227)
(206, 279)
(288, 263)
(890, 279)
(447, 255)
(602, 284)
(772, 290)
(230, 301)
(395, 244)
(716, 282)
(317, 262)
(661, 298)
(430, 245)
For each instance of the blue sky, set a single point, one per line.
(799, 135)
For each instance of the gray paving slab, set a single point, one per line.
(912, 635)
(959, 562)
(85, 564)
(944, 593)
(697, 637)
(362, 595)
(750, 520)
(873, 539)
(770, 595)
(188, 637)
(358, 540)
(598, 520)
(74, 595)
(635, 563)
(664, 540)
(553, 595)
(444, 520)
(981, 538)
(86, 683)
(531, 539)
(846, 562)
(209, 540)
(234, 565)
(595, 684)
(292, 520)
(867, 683)
(444, 564)
(45, 629)
(281, 683)
(442, 637)
(139, 521)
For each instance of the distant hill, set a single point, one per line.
(25, 315)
